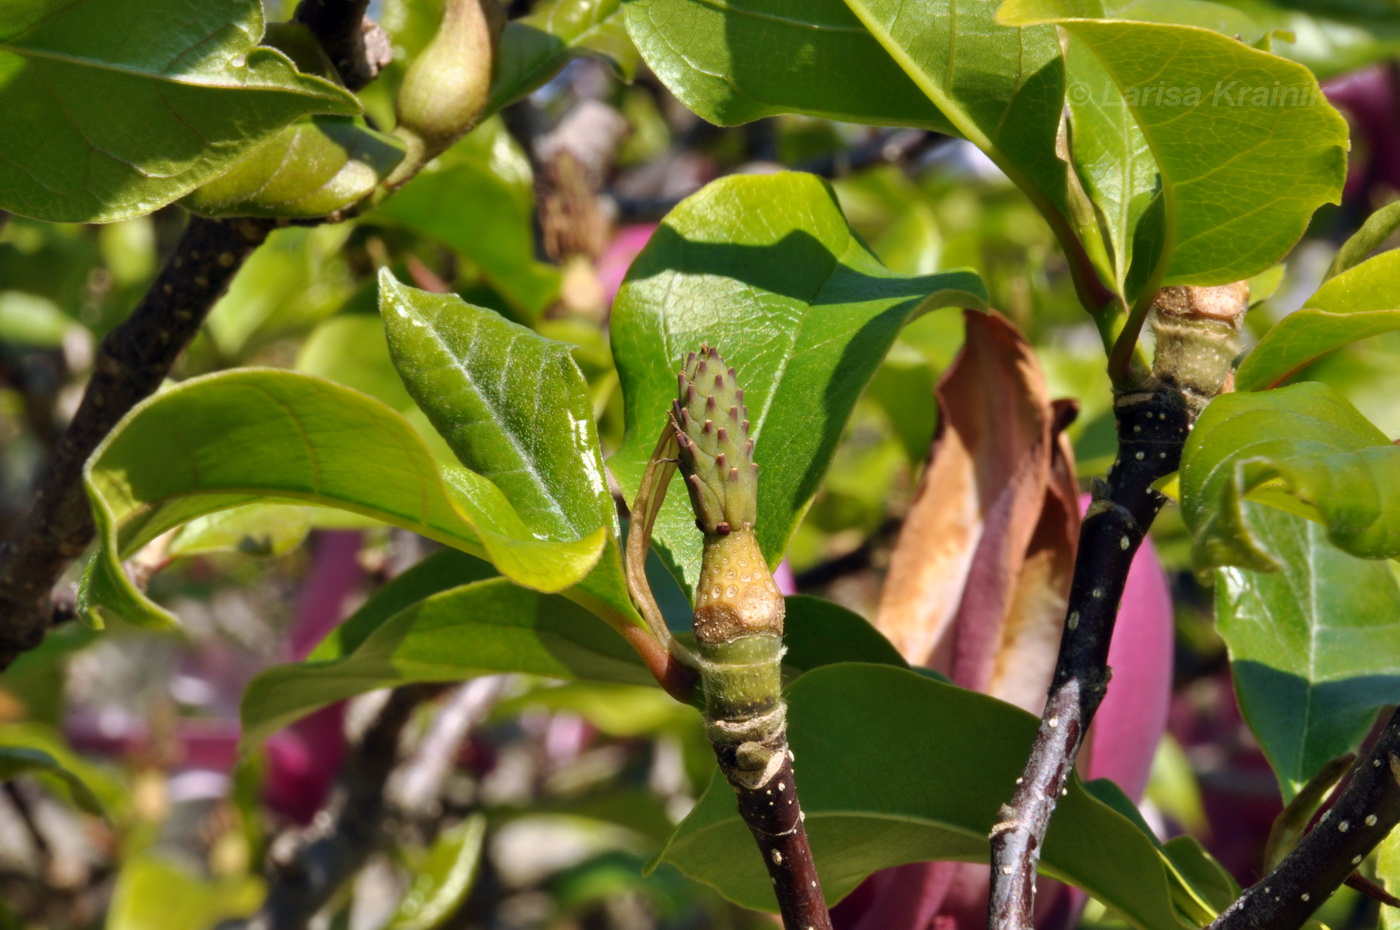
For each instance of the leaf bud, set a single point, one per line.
(1198, 337)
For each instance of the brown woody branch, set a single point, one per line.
(1197, 331)
(1367, 810)
(357, 45)
(131, 363)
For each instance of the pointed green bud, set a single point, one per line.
(448, 85)
(716, 452)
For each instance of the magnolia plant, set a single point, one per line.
(1176, 152)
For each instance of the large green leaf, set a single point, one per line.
(1246, 145)
(511, 403)
(766, 269)
(1302, 449)
(478, 200)
(1362, 301)
(314, 167)
(1314, 647)
(894, 767)
(733, 61)
(429, 626)
(110, 114)
(534, 48)
(251, 434)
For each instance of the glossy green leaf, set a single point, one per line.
(25, 760)
(153, 893)
(1314, 647)
(1388, 873)
(766, 269)
(110, 114)
(1362, 301)
(249, 434)
(1204, 101)
(312, 168)
(447, 620)
(732, 61)
(443, 879)
(869, 743)
(511, 403)
(477, 199)
(480, 628)
(534, 48)
(1303, 449)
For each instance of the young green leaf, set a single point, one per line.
(250, 434)
(1246, 144)
(443, 878)
(534, 48)
(80, 76)
(766, 269)
(1303, 449)
(1314, 647)
(871, 802)
(427, 625)
(314, 167)
(1379, 226)
(451, 199)
(512, 404)
(1362, 301)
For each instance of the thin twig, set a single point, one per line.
(1152, 428)
(1197, 331)
(348, 831)
(358, 47)
(131, 363)
(1367, 810)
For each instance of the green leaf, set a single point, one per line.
(1303, 449)
(312, 168)
(152, 893)
(511, 403)
(868, 740)
(1379, 227)
(766, 269)
(448, 568)
(732, 62)
(1333, 37)
(25, 760)
(447, 620)
(1246, 144)
(30, 320)
(477, 199)
(253, 529)
(1361, 301)
(444, 877)
(480, 628)
(535, 48)
(111, 114)
(249, 434)
(350, 349)
(1314, 647)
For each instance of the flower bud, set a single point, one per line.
(448, 85)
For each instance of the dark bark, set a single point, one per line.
(356, 44)
(774, 816)
(1152, 429)
(1367, 810)
(131, 363)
